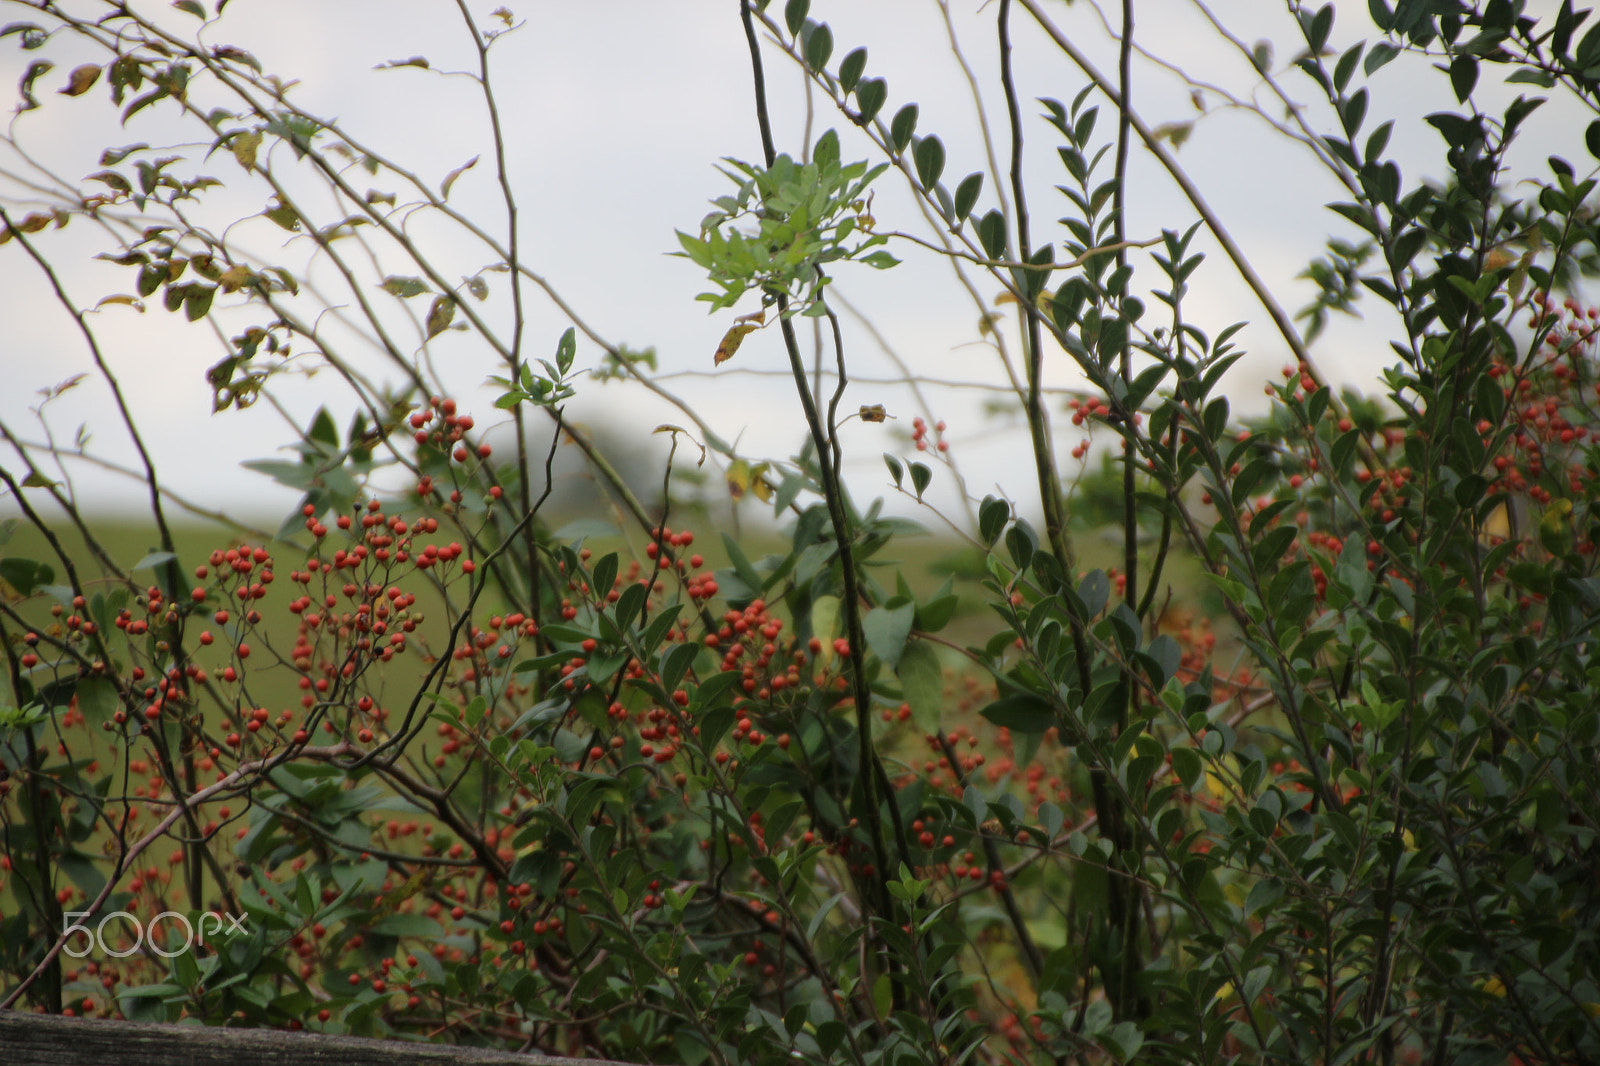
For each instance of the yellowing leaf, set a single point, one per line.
(731, 341)
(284, 216)
(245, 147)
(825, 626)
(1497, 258)
(668, 427)
(121, 298)
(738, 479)
(237, 277)
(450, 178)
(759, 482)
(81, 80)
(440, 315)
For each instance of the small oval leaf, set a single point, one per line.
(930, 161)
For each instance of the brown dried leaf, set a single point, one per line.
(81, 80)
(873, 412)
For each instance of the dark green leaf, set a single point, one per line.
(1463, 76)
(902, 127)
(896, 471)
(25, 575)
(993, 514)
(930, 161)
(967, 194)
(1321, 26)
(920, 478)
(794, 15)
(197, 301)
(1022, 713)
(850, 69)
(675, 662)
(819, 47)
(871, 93)
(992, 234)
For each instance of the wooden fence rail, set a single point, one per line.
(51, 1040)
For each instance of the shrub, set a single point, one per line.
(460, 776)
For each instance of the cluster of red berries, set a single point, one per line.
(919, 435)
(439, 424)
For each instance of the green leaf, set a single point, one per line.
(675, 662)
(922, 684)
(993, 514)
(967, 194)
(1022, 713)
(826, 154)
(992, 234)
(1381, 54)
(25, 575)
(794, 15)
(1463, 76)
(903, 126)
(323, 430)
(920, 478)
(896, 471)
(887, 628)
(930, 161)
(819, 47)
(566, 350)
(871, 95)
(1321, 26)
(1187, 765)
(850, 69)
(404, 287)
(417, 925)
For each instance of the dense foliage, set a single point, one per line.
(464, 777)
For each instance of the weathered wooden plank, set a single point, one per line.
(51, 1040)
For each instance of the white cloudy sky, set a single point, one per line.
(615, 113)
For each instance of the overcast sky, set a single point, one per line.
(615, 114)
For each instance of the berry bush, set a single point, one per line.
(1309, 773)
